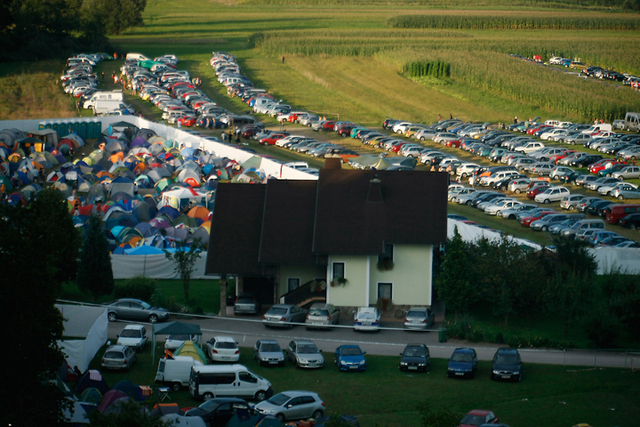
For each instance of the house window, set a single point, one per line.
(384, 291)
(387, 253)
(293, 283)
(338, 270)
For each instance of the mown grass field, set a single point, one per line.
(384, 396)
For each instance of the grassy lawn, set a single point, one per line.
(384, 396)
(204, 294)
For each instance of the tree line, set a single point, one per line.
(32, 30)
(562, 283)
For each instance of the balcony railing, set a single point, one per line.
(303, 294)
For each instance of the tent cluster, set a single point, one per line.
(149, 191)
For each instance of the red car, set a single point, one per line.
(187, 120)
(478, 417)
(604, 164)
(455, 144)
(537, 189)
(534, 129)
(555, 159)
(528, 220)
(271, 139)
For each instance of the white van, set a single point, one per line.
(598, 127)
(176, 372)
(104, 106)
(137, 56)
(207, 382)
(115, 95)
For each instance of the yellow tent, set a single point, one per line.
(189, 348)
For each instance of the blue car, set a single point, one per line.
(350, 358)
(463, 363)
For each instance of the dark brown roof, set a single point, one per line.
(235, 230)
(287, 223)
(257, 226)
(356, 216)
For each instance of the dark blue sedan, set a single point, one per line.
(463, 363)
(350, 358)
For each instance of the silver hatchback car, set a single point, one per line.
(322, 315)
(419, 318)
(293, 405)
(118, 357)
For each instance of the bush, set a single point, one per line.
(139, 287)
(602, 329)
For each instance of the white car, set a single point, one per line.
(174, 341)
(529, 147)
(608, 189)
(134, 336)
(367, 319)
(466, 169)
(223, 349)
(571, 202)
(515, 210)
(552, 194)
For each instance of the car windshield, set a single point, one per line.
(277, 310)
(130, 333)
(145, 305)
(279, 399)
(209, 405)
(246, 300)
(414, 352)
(179, 337)
(461, 357)
(418, 314)
(114, 355)
(270, 348)
(474, 420)
(508, 359)
(351, 351)
(226, 344)
(318, 312)
(366, 315)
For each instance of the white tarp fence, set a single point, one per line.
(153, 266)
(90, 323)
(627, 260)
(471, 233)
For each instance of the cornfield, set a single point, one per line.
(437, 69)
(506, 22)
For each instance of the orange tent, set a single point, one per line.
(104, 173)
(199, 212)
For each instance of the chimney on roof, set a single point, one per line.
(333, 163)
(375, 190)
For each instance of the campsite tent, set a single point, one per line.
(92, 378)
(182, 421)
(173, 328)
(193, 350)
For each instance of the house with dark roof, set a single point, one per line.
(351, 237)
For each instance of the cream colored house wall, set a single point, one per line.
(410, 277)
(304, 273)
(354, 293)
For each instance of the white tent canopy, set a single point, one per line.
(471, 233)
(90, 323)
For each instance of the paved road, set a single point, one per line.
(390, 341)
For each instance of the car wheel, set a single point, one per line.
(207, 396)
(608, 175)
(176, 386)
(317, 415)
(545, 228)
(112, 317)
(517, 191)
(280, 417)
(261, 395)
(153, 318)
(546, 201)
(632, 226)
(620, 197)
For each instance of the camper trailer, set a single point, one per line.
(115, 95)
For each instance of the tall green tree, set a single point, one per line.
(453, 283)
(95, 274)
(571, 288)
(38, 251)
(185, 258)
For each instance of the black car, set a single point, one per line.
(486, 198)
(570, 178)
(219, 410)
(415, 357)
(507, 365)
(586, 160)
(503, 183)
(631, 221)
(594, 208)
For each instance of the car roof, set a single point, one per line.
(268, 342)
(349, 346)
(463, 350)
(224, 339)
(116, 347)
(136, 327)
(295, 393)
(304, 342)
(482, 412)
(507, 351)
